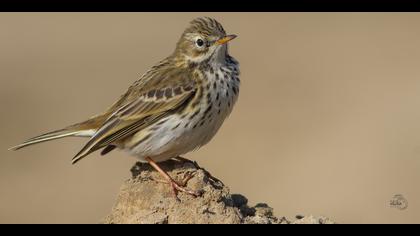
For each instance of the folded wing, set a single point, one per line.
(155, 98)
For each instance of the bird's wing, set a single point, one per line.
(147, 101)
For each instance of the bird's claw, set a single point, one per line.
(180, 186)
(177, 188)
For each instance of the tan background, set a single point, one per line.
(327, 123)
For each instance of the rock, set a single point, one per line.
(144, 199)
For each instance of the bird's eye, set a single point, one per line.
(199, 42)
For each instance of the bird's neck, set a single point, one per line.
(217, 58)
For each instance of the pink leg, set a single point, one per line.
(176, 187)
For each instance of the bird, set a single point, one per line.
(175, 107)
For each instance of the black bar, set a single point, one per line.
(210, 5)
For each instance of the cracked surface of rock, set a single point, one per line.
(144, 199)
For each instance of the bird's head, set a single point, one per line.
(204, 41)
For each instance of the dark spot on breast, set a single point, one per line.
(201, 123)
(208, 86)
(195, 126)
(194, 114)
(204, 66)
(214, 85)
(208, 110)
(168, 93)
(159, 94)
(217, 76)
(211, 70)
(220, 104)
(235, 90)
(227, 93)
(229, 104)
(218, 112)
(160, 122)
(226, 76)
(176, 126)
(217, 96)
(227, 84)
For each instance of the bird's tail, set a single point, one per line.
(83, 129)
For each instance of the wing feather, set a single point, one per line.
(149, 101)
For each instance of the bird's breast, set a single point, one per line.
(194, 127)
(220, 93)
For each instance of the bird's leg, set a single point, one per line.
(176, 187)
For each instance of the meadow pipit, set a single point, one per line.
(175, 107)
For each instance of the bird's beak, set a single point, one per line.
(225, 39)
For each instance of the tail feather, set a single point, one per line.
(83, 129)
(51, 136)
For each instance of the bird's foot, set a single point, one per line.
(176, 187)
(180, 186)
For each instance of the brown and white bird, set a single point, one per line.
(175, 107)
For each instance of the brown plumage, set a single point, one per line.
(169, 110)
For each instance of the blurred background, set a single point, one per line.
(327, 122)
